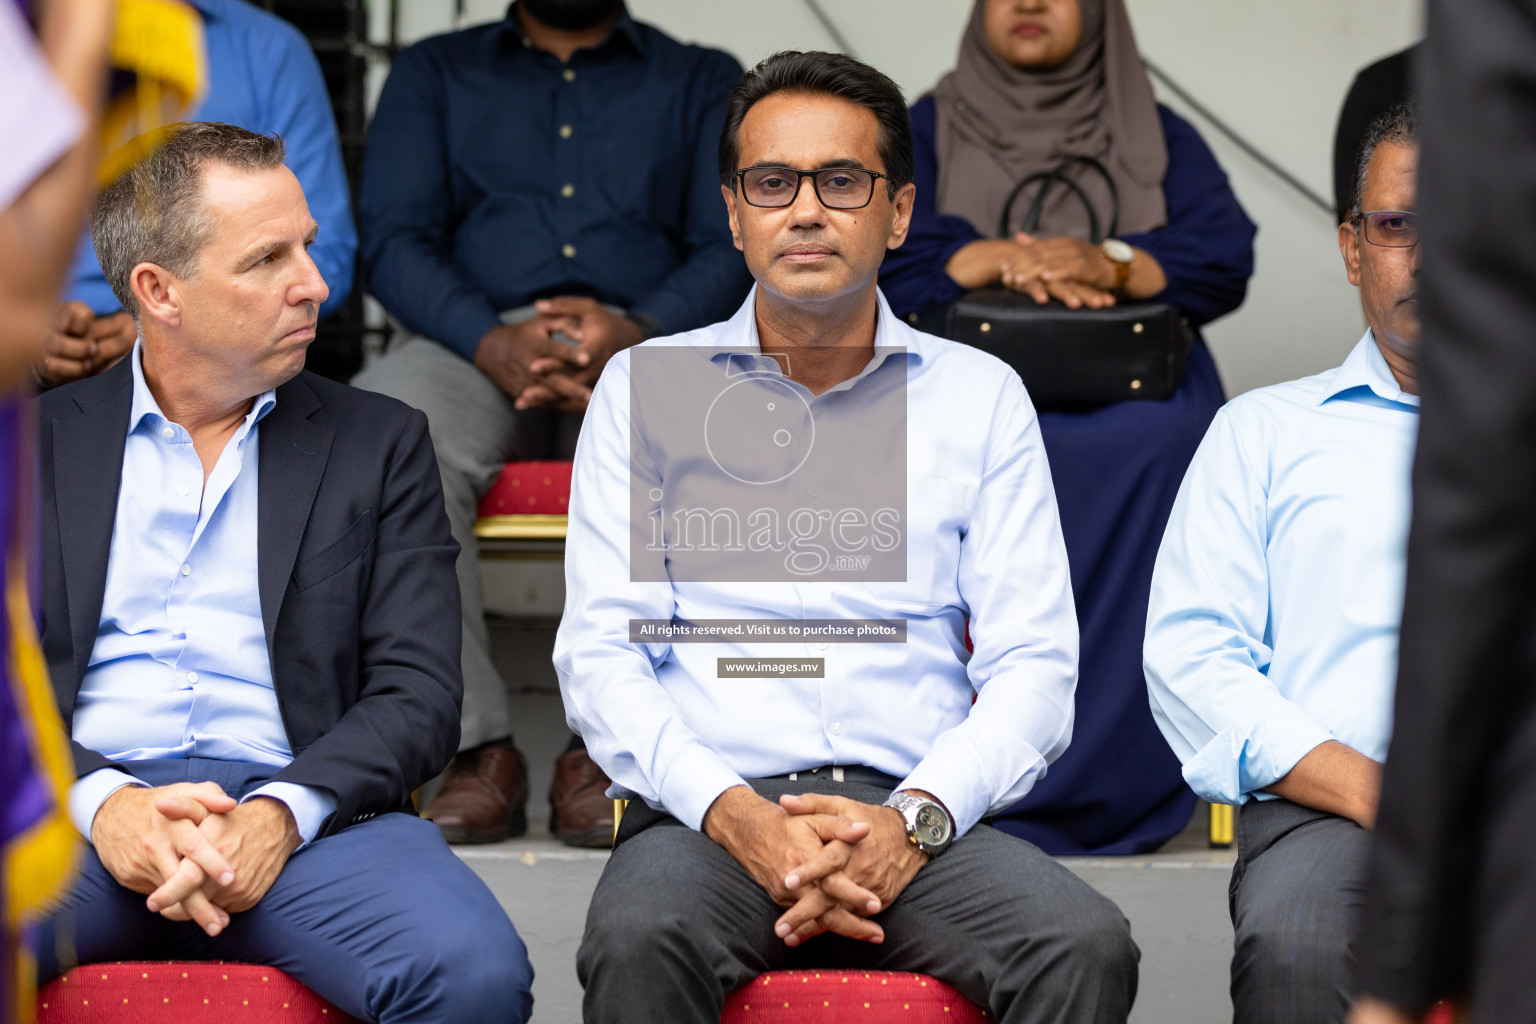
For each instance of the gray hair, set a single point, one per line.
(1399, 125)
(154, 213)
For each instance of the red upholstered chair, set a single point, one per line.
(841, 997)
(525, 511)
(178, 992)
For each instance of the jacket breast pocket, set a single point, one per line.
(336, 556)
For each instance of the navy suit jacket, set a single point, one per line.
(355, 569)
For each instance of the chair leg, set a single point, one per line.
(618, 816)
(1223, 817)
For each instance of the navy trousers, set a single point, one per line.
(381, 919)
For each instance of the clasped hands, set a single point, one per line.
(833, 863)
(196, 852)
(540, 372)
(81, 343)
(1069, 269)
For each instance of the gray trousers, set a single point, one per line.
(1297, 894)
(676, 924)
(475, 430)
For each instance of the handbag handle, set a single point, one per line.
(1047, 179)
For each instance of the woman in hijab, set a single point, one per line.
(1039, 82)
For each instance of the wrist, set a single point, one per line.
(647, 327)
(274, 814)
(731, 809)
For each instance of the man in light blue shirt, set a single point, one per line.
(1272, 633)
(262, 75)
(781, 528)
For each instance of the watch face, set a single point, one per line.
(932, 826)
(1117, 250)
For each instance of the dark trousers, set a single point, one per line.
(676, 924)
(1297, 893)
(381, 919)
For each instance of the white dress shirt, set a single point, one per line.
(984, 545)
(180, 666)
(1278, 589)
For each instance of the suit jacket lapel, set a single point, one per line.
(292, 461)
(87, 474)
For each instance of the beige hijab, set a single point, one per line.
(998, 124)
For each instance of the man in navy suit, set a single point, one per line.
(251, 619)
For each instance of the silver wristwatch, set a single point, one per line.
(928, 825)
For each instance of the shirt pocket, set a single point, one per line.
(336, 556)
(938, 511)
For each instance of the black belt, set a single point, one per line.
(856, 773)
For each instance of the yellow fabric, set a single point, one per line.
(38, 863)
(161, 43)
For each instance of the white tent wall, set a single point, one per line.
(1275, 72)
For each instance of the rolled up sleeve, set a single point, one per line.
(1206, 654)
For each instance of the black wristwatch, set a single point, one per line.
(928, 825)
(648, 328)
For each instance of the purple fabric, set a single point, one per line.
(24, 797)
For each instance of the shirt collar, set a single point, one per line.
(144, 404)
(892, 337)
(625, 28)
(1366, 367)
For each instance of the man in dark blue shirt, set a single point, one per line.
(538, 194)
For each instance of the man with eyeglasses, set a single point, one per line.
(781, 527)
(538, 194)
(1271, 644)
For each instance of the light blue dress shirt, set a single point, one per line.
(262, 75)
(984, 546)
(1278, 590)
(180, 666)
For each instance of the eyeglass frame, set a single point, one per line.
(739, 184)
(1360, 220)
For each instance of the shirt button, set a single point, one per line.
(186, 570)
(167, 433)
(568, 75)
(567, 190)
(837, 728)
(568, 251)
(813, 491)
(565, 131)
(191, 677)
(182, 490)
(821, 646)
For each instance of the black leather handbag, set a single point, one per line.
(1069, 358)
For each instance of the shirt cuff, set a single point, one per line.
(91, 791)
(309, 805)
(1245, 758)
(956, 788)
(696, 777)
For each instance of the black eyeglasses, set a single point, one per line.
(838, 188)
(1393, 229)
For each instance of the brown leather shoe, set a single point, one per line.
(579, 812)
(484, 797)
